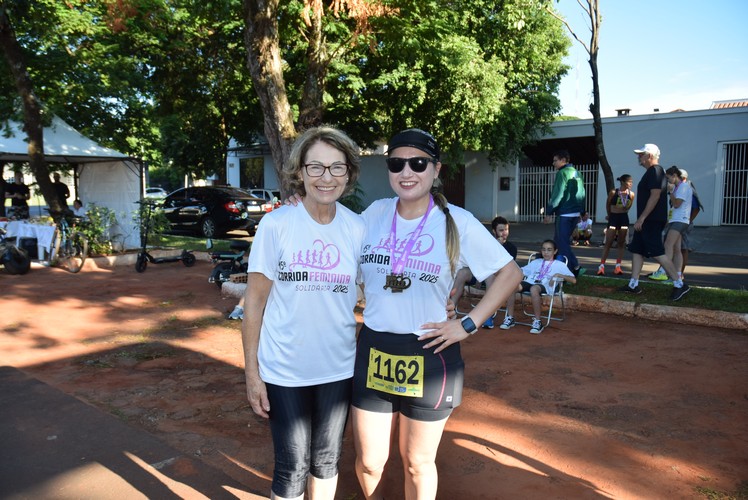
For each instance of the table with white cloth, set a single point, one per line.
(44, 234)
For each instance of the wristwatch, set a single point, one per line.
(468, 325)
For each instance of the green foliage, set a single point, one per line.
(150, 220)
(354, 199)
(98, 229)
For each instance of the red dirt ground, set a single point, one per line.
(596, 407)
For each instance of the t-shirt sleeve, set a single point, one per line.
(263, 258)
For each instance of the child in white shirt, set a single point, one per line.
(541, 276)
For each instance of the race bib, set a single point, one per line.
(399, 375)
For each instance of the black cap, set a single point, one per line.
(415, 138)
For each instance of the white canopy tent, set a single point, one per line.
(105, 177)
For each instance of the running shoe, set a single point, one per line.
(237, 313)
(601, 270)
(678, 293)
(489, 322)
(659, 275)
(537, 327)
(507, 324)
(636, 290)
(618, 269)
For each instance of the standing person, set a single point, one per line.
(304, 261)
(567, 203)
(409, 370)
(3, 188)
(685, 245)
(651, 210)
(19, 194)
(680, 195)
(540, 277)
(62, 190)
(500, 228)
(617, 205)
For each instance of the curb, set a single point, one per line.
(683, 315)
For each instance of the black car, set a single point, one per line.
(213, 210)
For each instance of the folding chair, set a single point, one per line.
(547, 315)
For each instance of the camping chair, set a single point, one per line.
(549, 304)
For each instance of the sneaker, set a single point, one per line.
(636, 290)
(586, 243)
(537, 327)
(237, 313)
(507, 324)
(601, 270)
(659, 275)
(618, 269)
(578, 271)
(678, 293)
(489, 322)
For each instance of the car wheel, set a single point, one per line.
(208, 227)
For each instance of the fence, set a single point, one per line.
(735, 187)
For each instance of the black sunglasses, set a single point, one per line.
(417, 163)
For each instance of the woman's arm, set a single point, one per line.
(255, 299)
(447, 333)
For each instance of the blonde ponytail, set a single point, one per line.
(453, 235)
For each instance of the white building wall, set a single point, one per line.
(691, 140)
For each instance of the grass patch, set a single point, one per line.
(716, 299)
(186, 242)
(741, 493)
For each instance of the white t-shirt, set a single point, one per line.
(539, 270)
(308, 333)
(428, 266)
(683, 191)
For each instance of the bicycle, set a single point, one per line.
(71, 246)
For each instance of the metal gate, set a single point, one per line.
(536, 184)
(735, 187)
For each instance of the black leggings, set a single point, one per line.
(307, 424)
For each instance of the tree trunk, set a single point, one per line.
(265, 67)
(310, 114)
(595, 20)
(32, 116)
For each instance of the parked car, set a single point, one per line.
(271, 196)
(213, 210)
(155, 193)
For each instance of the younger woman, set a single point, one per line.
(409, 370)
(680, 195)
(618, 204)
(541, 276)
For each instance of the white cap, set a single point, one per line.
(649, 148)
(683, 173)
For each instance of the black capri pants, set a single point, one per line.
(307, 425)
(394, 373)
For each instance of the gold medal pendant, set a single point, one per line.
(396, 283)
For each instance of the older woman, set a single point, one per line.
(304, 262)
(409, 370)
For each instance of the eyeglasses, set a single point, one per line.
(337, 169)
(417, 163)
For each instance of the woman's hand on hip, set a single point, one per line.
(443, 334)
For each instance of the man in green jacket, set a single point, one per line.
(567, 204)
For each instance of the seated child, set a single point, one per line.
(541, 276)
(583, 231)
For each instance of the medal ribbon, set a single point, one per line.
(544, 269)
(398, 264)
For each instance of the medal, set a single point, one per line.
(396, 282)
